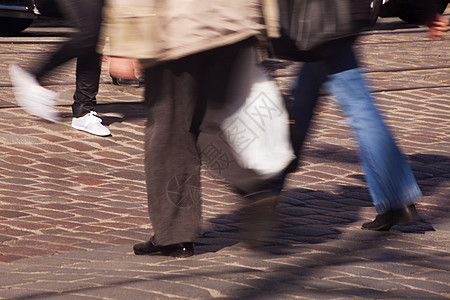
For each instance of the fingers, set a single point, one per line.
(438, 26)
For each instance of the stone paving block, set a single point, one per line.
(48, 137)
(379, 284)
(227, 272)
(368, 272)
(98, 255)
(436, 276)
(308, 230)
(170, 288)
(424, 284)
(442, 226)
(17, 293)
(397, 269)
(141, 273)
(41, 287)
(297, 212)
(324, 285)
(66, 296)
(55, 239)
(119, 293)
(12, 214)
(434, 263)
(14, 280)
(52, 213)
(101, 266)
(257, 262)
(375, 294)
(414, 294)
(90, 245)
(302, 294)
(50, 169)
(6, 258)
(405, 244)
(114, 279)
(216, 286)
(28, 225)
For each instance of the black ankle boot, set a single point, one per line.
(384, 221)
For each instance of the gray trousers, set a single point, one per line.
(183, 99)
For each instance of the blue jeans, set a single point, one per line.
(388, 175)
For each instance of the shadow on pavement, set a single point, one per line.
(308, 216)
(129, 111)
(311, 231)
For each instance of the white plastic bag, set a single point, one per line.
(258, 129)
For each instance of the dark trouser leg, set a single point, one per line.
(307, 89)
(83, 15)
(172, 162)
(306, 94)
(87, 83)
(178, 93)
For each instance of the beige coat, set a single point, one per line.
(178, 28)
(192, 26)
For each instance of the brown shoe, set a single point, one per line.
(384, 221)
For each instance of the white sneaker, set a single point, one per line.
(90, 123)
(31, 96)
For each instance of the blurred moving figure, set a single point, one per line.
(438, 26)
(391, 183)
(187, 82)
(86, 17)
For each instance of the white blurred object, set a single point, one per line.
(31, 96)
(258, 128)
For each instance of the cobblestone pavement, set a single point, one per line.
(73, 204)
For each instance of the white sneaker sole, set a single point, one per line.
(106, 133)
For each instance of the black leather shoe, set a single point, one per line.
(384, 221)
(174, 250)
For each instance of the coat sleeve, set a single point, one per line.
(271, 16)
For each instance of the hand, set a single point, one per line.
(437, 26)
